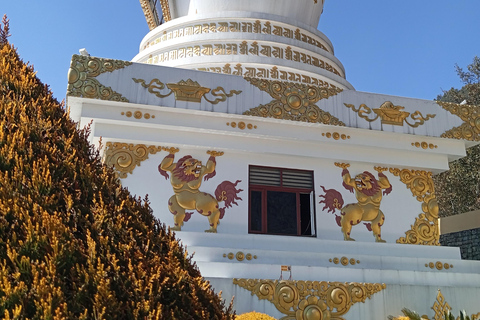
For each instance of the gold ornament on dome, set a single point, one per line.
(124, 157)
(390, 114)
(470, 129)
(165, 10)
(310, 300)
(294, 102)
(425, 230)
(82, 82)
(150, 16)
(188, 90)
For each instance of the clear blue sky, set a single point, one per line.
(399, 47)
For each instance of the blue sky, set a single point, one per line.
(398, 47)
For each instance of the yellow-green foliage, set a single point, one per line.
(254, 316)
(73, 243)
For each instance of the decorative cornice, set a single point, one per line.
(390, 114)
(312, 300)
(425, 230)
(82, 73)
(470, 129)
(167, 16)
(188, 90)
(294, 101)
(124, 157)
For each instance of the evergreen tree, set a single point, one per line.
(458, 190)
(73, 243)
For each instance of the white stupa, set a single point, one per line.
(282, 162)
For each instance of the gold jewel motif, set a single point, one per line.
(424, 145)
(293, 102)
(335, 135)
(312, 300)
(425, 230)
(125, 157)
(390, 114)
(186, 90)
(274, 73)
(138, 114)
(470, 129)
(439, 265)
(234, 26)
(240, 256)
(241, 125)
(245, 48)
(440, 307)
(82, 82)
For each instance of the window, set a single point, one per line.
(281, 201)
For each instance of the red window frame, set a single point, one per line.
(265, 188)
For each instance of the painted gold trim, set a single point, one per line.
(82, 82)
(294, 101)
(188, 90)
(312, 300)
(390, 114)
(425, 230)
(259, 26)
(470, 129)
(124, 157)
(275, 73)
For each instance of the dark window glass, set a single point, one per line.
(280, 201)
(281, 212)
(256, 210)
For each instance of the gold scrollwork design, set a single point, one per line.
(470, 129)
(293, 102)
(312, 300)
(137, 114)
(240, 256)
(424, 145)
(344, 261)
(335, 135)
(390, 114)
(125, 157)
(188, 90)
(439, 265)
(425, 230)
(82, 82)
(241, 125)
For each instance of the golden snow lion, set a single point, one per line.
(186, 179)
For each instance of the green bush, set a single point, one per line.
(74, 244)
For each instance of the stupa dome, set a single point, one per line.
(270, 39)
